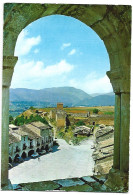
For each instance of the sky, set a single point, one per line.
(57, 51)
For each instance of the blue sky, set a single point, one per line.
(57, 51)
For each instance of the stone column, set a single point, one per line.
(8, 68)
(121, 86)
(117, 126)
(115, 77)
(124, 138)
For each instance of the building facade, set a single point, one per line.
(29, 139)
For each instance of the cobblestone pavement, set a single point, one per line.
(66, 161)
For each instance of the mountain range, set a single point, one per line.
(70, 96)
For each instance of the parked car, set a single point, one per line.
(35, 155)
(42, 152)
(19, 159)
(50, 150)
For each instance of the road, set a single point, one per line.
(66, 161)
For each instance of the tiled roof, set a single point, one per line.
(13, 138)
(40, 125)
(30, 130)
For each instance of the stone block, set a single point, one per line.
(78, 188)
(89, 179)
(41, 186)
(69, 182)
(116, 181)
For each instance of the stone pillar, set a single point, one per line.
(117, 125)
(124, 138)
(8, 68)
(121, 87)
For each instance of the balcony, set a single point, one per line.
(38, 144)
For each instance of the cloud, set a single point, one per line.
(25, 44)
(65, 45)
(92, 83)
(32, 74)
(36, 51)
(72, 52)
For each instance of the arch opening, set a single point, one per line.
(10, 159)
(16, 158)
(24, 155)
(109, 49)
(30, 152)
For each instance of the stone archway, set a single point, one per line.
(30, 152)
(24, 155)
(15, 158)
(10, 159)
(113, 25)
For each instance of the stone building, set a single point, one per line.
(59, 115)
(29, 139)
(60, 118)
(78, 114)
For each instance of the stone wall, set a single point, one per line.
(60, 106)
(101, 119)
(104, 150)
(60, 119)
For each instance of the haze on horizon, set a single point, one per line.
(58, 51)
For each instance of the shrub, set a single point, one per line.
(95, 111)
(32, 108)
(61, 134)
(10, 119)
(80, 123)
(24, 120)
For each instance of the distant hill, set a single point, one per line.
(22, 99)
(101, 100)
(68, 95)
(49, 97)
(97, 94)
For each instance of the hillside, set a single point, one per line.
(101, 100)
(68, 95)
(22, 99)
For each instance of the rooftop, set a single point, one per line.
(40, 125)
(13, 138)
(30, 130)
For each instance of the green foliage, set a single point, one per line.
(51, 120)
(24, 120)
(77, 140)
(80, 123)
(61, 134)
(10, 119)
(109, 113)
(32, 108)
(95, 111)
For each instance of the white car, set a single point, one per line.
(42, 152)
(35, 155)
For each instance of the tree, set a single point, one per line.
(10, 119)
(95, 111)
(80, 123)
(32, 108)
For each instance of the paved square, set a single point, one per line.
(66, 161)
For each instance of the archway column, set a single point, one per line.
(121, 87)
(124, 141)
(8, 68)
